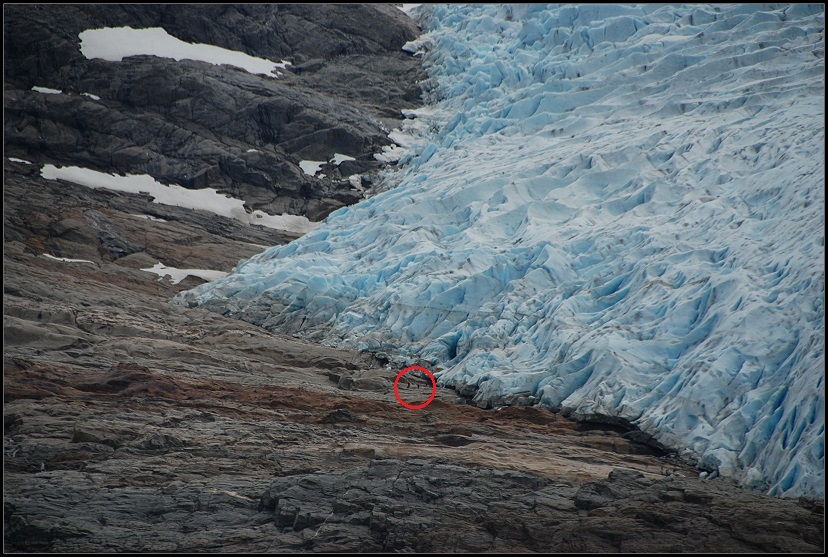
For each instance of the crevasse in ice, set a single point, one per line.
(617, 209)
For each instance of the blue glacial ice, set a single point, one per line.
(618, 209)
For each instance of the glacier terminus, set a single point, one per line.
(616, 209)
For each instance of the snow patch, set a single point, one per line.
(207, 199)
(177, 275)
(67, 260)
(150, 217)
(116, 43)
(47, 90)
(356, 182)
(339, 158)
(311, 167)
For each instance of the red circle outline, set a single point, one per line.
(433, 388)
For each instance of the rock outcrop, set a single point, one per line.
(200, 125)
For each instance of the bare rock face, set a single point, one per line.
(200, 125)
(134, 425)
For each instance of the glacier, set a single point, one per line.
(618, 209)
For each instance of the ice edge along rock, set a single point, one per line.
(617, 210)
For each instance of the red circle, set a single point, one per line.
(433, 388)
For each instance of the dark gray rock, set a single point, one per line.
(114, 246)
(340, 415)
(595, 494)
(200, 125)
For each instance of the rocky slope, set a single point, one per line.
(131, 424)
(201, 125)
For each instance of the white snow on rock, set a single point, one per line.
(46, 90)
(68, 260)
(177, 275)
(339, 158)
(356, 182)
(292, 223)
(150, 217)
(617, 209)
(207, 199)
(21, 161)
(311, 167)
(116, 43)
